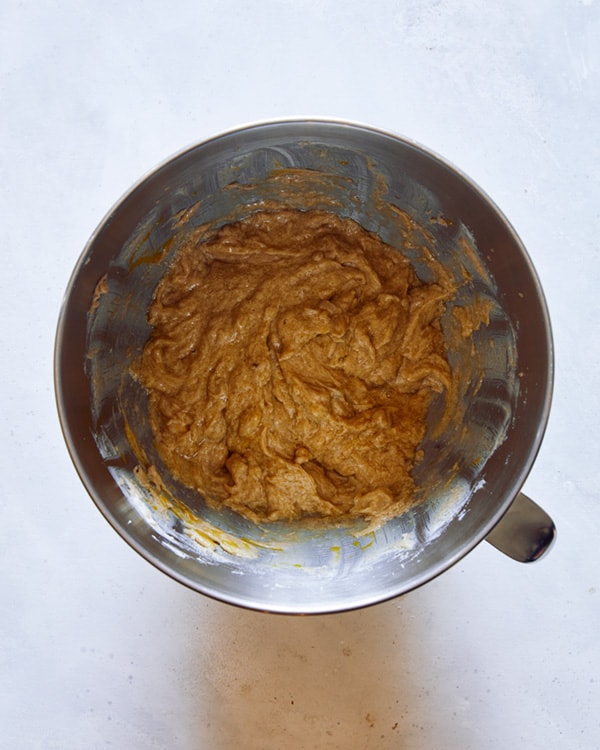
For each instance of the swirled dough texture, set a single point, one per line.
(292, 362)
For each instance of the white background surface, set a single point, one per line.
(97, 649)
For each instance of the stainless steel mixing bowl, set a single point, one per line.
(473, 467)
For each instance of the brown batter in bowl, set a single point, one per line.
(292, 362)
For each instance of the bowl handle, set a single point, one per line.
(525, 532)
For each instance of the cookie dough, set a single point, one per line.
(291, 365)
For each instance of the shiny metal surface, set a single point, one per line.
(526, 532)
(102, 328)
